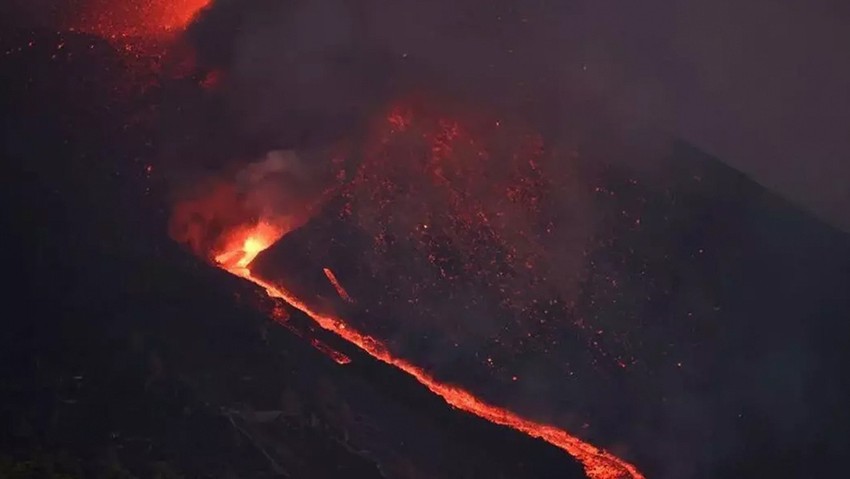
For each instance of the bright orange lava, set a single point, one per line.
(244, 244)
(598, 463)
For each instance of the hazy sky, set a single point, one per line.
(769, 93)
(763, 84)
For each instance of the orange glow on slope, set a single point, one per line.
(337, 286)
(598, 463)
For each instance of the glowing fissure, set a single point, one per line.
(598, 463)
(330, 352)
(340, 290)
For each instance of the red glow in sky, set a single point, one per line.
(123, 18)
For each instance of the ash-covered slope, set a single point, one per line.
(707, 337)
(123, 356)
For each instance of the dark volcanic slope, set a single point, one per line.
(122, 356)
(719, 314)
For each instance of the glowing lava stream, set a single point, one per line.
(337, 286)
(598, 463)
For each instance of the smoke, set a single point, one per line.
(261, 183)
(279, 191)
(307, 73)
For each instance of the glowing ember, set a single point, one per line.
(598, 463)
(338, 286)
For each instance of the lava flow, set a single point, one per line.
(338, 286)
(598, 463)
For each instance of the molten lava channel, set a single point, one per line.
(598, 463)
(340, 290)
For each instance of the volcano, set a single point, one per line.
(703, 337)
(692, 275)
